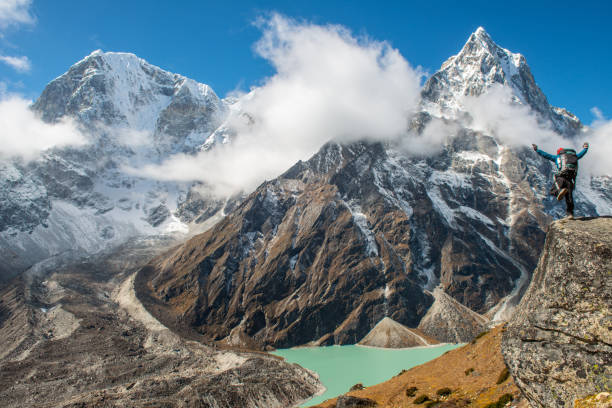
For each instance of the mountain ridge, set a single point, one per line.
(366, 230)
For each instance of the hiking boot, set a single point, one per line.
(562, 193)
(569, 217)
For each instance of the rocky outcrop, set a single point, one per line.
(450, 321)
(390, 334)
(558, 346)
(354, 402)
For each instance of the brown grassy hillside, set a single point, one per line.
(471, 372)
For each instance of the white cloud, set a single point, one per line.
(20, 64)
(517, 125)
(598, 114)
(514, 124)
(328, 85)
(599, 135)
(431, 140)
(25, 135)
(14, 12)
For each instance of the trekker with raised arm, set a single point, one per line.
(565, 177)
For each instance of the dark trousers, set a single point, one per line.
(565, 180)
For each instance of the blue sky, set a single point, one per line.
(568, 46)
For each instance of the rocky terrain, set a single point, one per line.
(77, 336)
(558, 345)
(364, 231)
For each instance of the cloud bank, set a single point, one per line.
(25, 136)
(517, 125)
(514, 124)
(328, 85)
(599, 135)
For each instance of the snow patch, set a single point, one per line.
(361, 221)
(476, 215)
(440, 205)
(473, 156)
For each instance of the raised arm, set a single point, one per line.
(585, 148)
(545, 155)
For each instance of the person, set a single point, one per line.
(565, 177)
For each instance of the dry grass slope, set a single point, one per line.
(471, 372)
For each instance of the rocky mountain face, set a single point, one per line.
(558, 345)
(365, 231)
(81, 200)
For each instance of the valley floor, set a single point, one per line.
(77, 336)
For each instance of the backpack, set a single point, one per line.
(568, 162)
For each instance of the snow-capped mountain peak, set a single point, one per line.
(121, 89)
(482, 64)
(132, 113)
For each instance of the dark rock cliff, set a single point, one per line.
(558, 346)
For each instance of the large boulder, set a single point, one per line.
(558, 346)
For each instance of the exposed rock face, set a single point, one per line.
(355, 234)
(295, 263)
(390, 334)
(558, 346)
(450, 321)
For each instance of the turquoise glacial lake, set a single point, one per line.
(341, 367)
